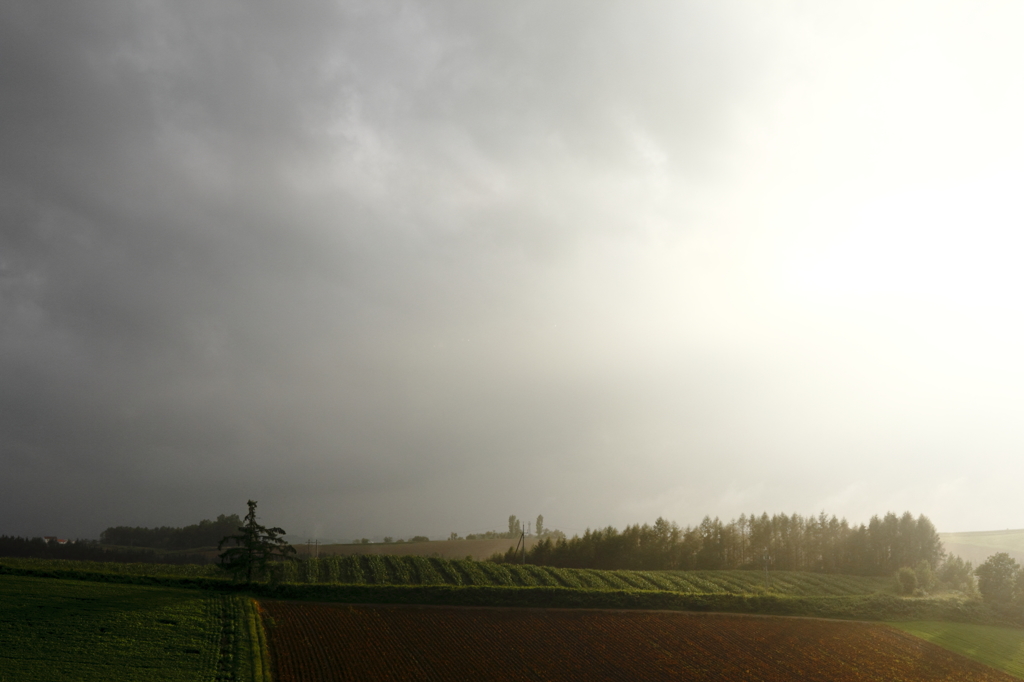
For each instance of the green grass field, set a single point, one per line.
(116, 568)
(53, 630)
(999, 647)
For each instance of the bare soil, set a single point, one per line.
(319, 642)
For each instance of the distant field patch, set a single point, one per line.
(117, 568)
(999, 647)
(314, 642)
(55, 630)
(445, 549)
(978, 546)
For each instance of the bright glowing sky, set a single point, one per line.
(400, 268)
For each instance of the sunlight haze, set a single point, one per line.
(405, 269)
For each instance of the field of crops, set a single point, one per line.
(416, 570)
(55, 630)
(313, 642)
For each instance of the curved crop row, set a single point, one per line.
(375, 569)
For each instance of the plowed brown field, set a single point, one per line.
(319, 642)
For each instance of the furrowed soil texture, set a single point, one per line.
(321, 642)
(54, 630)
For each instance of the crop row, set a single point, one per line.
(315, 642)
(371, 569)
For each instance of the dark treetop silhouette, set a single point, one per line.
(255, 547)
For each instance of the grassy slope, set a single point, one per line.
(977, 546)
(53, 630)
(999, 647)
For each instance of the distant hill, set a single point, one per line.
(977, 546)
(445, 549)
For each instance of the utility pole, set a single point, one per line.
(522, 539)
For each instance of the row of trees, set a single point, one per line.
(953, 574)
(390, 540)
(1000, 581)
(516, 528)
(794, 543)
(88, 550)
(206, 533)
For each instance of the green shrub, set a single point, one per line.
(906, 581)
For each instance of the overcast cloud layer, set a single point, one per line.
(408, 268)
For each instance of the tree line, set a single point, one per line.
(206, 533)
(516, 528)
(89, 550)
(822, 543)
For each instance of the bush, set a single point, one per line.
(925, 576)
(906, 581)
(957, 574)
(998, 578)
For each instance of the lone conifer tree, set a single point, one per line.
(253, 548)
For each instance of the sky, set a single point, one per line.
(397, 268)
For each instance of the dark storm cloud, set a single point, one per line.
(284, 250)
(400, 268)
